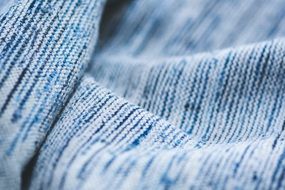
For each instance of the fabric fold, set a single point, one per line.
(184, 94)
(205, 94)
(225, 111)
(45, 47)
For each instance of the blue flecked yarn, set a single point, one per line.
(45, 46)
(177, 94)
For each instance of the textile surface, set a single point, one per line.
(146, 94)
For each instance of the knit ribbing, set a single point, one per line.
(224, 128)
(44, 47)
(181, 94)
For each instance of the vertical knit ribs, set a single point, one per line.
(45, 45)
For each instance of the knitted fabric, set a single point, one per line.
(45, 46)
(177, 94)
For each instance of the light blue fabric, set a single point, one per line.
(162, 95)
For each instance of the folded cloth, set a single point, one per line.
(45, 46)
(175, 95)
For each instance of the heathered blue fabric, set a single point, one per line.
(186, 94)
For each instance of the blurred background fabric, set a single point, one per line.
(146, 94)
